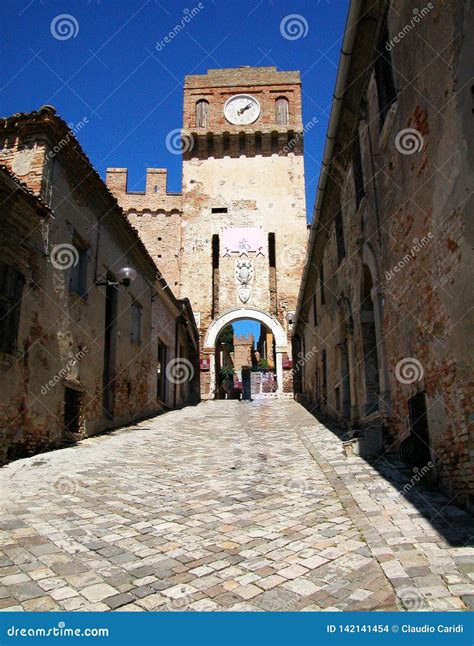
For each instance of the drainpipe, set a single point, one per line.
(350, 32)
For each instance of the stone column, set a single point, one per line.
(279, 369)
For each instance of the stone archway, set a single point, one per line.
(237, 314)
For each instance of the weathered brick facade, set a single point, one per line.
(383, 317)
(82, 355)
(247, 178)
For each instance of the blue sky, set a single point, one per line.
(100, 65)
(111, 72)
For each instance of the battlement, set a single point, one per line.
(244, 339)
(155, 197)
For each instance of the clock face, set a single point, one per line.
(242, 109)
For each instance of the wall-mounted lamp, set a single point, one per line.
(290, 319)
(125, 275)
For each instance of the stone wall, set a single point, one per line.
(405, 275)
(61, 335)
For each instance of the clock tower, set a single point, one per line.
(243, 207)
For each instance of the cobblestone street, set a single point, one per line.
(226, 506)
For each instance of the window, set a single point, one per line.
(11, 289)
(78, 277)
(384, 76)
(281, 111)
(136, 334)
(358, 172)
(271, 250)
(202, 114)
(219, 209)
(341, 249)
(315, 310)
(321, 285)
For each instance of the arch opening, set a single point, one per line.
(242, 361)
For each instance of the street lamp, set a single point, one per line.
(125, 275)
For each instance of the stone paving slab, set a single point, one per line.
(227, 506)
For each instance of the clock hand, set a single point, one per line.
(242, 110)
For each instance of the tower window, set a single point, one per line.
(282, 111)
(202, 114)
(271, 250)
(358, 172)
(384, 76)
(219, 209)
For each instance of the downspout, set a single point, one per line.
(350, 32)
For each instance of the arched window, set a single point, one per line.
(202, 114)
(282, 111)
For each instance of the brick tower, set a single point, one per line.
(243, 201)
(234, 240)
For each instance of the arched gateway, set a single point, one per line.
(238, 314)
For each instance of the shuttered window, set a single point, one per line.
(11, 289)
(281, 111)
(202, 114)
